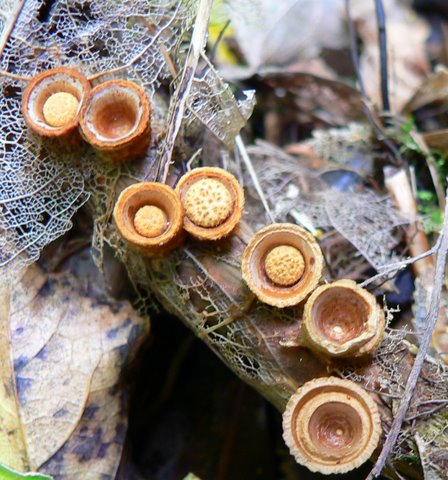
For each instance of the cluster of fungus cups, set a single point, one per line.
(152, 217)
(114, 117)
(282, 264)
(52, 103)
(331, 425)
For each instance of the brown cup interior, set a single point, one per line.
(339, 314)
(114, 113)
(335, 426)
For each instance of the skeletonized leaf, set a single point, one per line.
(42, 188)
(143, 41)
(212, 102)
(40, 191)
(365, 219)
(62, 353)
(97, 37)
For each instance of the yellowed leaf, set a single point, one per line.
(12, 445)
(64, 407)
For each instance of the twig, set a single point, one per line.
(420, 357)
(22, 78)
(425, 413)
(6, 33)
(180, 97)
(377, 128)
(218, 40)
(394, 267)
(253, 175)
(9, 27)
(382, 44)
(195, 155)
(354, 50)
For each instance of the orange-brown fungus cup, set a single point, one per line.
(52, 102)
(282, 264)
(116, 120)
(213, 201)
(342, 320)
(331, 425)
(149, 216)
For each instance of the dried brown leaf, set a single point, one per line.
(62, 354)
(433, 89)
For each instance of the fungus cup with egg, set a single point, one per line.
(149, 216)
(116, 120)
(331, 425)
(52, 103)
(282, 264)
(342, 319)
(213, 201)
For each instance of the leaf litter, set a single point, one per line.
(63, 353)
(147, 42)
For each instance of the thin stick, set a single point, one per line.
(394, 267)
(420, 357)
(425, 413)
(253, 175)
(382, 44)
(381, 135)
(9, 27)
(354, 50)
(180, 97)
(4, 40)
(14, 76)
(218, 40)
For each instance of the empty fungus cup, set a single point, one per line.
(213, 201)
(342, 319)
(331, 425)
(116, 120)
(149, 216)
(52, 102)
(282, 264)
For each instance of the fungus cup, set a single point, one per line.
(116, 120)
(213, 201)
(282, 264)
(342, 319)
(149, 217)
(331, 425)
(52, 103)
